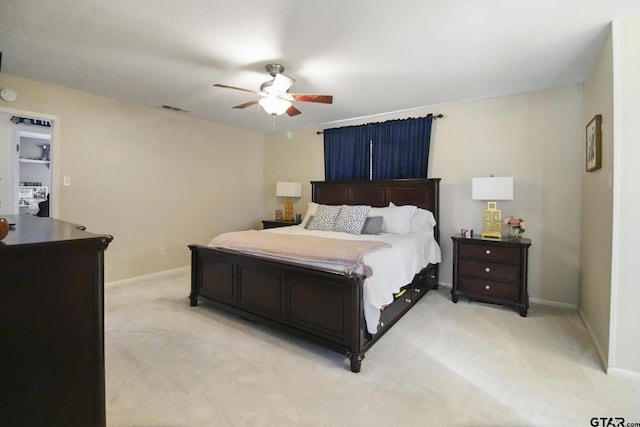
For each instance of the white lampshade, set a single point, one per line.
(288, 189)
(274, 105)
(492, 188)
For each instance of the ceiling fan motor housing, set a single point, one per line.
(274, 69)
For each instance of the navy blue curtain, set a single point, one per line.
(346, 153)
(401, 148)
(394, 149)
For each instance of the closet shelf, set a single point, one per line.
(40, 162)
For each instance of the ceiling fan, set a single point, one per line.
(274, 94)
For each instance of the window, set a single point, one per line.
(393, 149)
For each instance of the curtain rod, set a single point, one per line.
(435, 116)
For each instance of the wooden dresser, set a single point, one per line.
(491, 270)
(51, 324)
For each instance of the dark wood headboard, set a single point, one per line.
(423, 193)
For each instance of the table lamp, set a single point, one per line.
(288, 189)
(491, 189)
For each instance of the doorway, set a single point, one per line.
(34, 169)
(25, 157)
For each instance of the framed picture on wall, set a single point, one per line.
(594, 144)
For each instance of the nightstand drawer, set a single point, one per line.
(488, 288)
(489, 270)
(491, 252)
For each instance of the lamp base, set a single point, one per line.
(492, 222)
(494, 235)
(288, 210)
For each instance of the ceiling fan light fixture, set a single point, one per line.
(275, 106)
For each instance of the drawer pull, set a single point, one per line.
(407, 300)
(417, 290)
(487, 269)
(487, 287)
(488, 252)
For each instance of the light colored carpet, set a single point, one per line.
(443, 364)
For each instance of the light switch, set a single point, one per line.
(66, 181)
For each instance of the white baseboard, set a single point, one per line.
(147, 276)
(623, 373)
(553, 303)
(594, 340)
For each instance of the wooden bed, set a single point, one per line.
(323, 306)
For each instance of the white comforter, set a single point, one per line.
(392, 267)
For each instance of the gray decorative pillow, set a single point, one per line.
(351, 219)
(372, 225)
(324, 218)
(306, 225)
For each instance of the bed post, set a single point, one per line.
(356, 361)
(356, 353)
(195, 276)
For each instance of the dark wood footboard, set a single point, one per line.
(321, 306)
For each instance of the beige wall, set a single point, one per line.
(291, 156)
(537, 138)
(597, 208)
(150, 178)
(624, 346)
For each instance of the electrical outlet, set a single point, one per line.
(163, 250)
(66, 181)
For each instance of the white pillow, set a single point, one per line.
(351, 219)
(312, 207)
(422, 220)
(395, 219)
(325, 218)
(375, 212)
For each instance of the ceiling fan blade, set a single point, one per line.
(293, 111)
(247, 104)
(282, 83)
(236, 88)
(323, 99)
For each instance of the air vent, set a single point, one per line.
(176, 109)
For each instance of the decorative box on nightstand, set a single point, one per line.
(491, 270)
(272, 223)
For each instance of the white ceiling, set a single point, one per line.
(373, 56)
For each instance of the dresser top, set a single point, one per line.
(505, 239)
(30, 229)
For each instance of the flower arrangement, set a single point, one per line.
(517, 226)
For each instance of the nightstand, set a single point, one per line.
(272, 223)
(491, 270)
